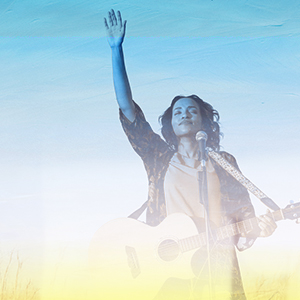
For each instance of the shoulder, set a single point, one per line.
(229, 157)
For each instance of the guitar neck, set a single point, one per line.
(227, 231)
(244, 226)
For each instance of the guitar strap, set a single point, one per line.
(242, 179)
(136, 214)
(222, 162)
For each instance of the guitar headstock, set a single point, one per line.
(292, 211)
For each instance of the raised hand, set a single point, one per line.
(115, 29)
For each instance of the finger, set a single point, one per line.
(119, 18)
(114, 18)
(262, 225)
(266, 228)
(124, 27)
(110, 19)
(105, 24)
(264, 232)
(270, 216)
(270, 221)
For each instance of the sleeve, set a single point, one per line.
(142, 138)
(241, 208)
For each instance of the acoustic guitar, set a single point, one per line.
(131, 260)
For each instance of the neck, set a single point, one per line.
(188, 147)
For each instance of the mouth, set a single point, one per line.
(185, 122)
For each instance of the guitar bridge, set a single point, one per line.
(133, 262)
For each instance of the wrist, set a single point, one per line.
(116, 50)
(116, 47)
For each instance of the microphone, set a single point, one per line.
(201, 138)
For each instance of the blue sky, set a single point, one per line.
(67, 167)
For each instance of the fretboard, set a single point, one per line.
(222, 233)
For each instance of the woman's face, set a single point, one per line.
(186, 117)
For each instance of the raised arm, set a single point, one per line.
(115, 29)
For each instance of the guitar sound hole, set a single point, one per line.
(168, 250)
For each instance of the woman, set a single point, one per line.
(172, 166)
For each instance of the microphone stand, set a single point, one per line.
(203, 198)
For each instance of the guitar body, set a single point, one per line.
(131, 260)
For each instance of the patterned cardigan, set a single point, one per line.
(156, 155)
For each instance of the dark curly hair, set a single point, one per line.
(210, 123)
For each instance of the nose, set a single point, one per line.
(186, 115)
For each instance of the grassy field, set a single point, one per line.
(281, 287)
(16, 283)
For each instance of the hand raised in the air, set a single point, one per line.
(115, 28)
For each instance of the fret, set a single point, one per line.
(224, 231)
(203, 238)
(245, 225)
(195, 244)
(248, 225)
(221, 231)
(277, 215)
(227, 232)
(218, 233)
(240, 227)
(189, 243)
(194, 241)
(233, 229)
(183, 245)
(230, 230)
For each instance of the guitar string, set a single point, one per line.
(189, 243)
(193, 242)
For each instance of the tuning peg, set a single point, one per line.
(298, 221)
